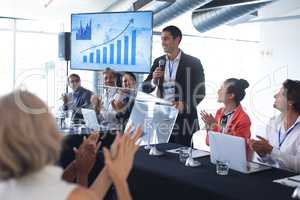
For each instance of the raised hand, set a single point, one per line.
(96, 103)
(85, 156)
(119, 161)
(158, 73)
(65, 98)
(208, 119)
(179, 105)
(119, 165)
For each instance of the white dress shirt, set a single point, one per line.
(169, 83)
(107, 116)
(170, 76)
(286, 144)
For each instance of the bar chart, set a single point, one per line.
(121, 49)
(121, 41)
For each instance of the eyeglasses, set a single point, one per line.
(74, 81)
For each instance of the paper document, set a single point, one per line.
(293, 181)
(195, 154)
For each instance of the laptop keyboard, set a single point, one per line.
(253, 166)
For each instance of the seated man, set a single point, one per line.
(114, 106)
(78, 98)
(281, 147)
(102, 104)
(124, 99)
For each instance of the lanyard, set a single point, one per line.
(109, 96)
(281, 141)
(224, 120)
(171, 67)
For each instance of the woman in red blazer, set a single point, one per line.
(231, 119)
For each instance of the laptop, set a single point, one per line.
(91, 121)
(90, 118)
(232, 149)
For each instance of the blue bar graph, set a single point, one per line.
(98, 56)
(84, 59)
(104, 55)
(124, 51)
(91, 57)
(119, 46)
(111, 53)
(126, 40)
(133, 47)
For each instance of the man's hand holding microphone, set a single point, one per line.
(158, 72)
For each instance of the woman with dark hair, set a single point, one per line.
(231, 119)
(281, 147)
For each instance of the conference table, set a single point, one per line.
(165, 177)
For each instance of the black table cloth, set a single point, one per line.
(166, 178)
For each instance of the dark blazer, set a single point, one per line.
(190, 90)
(83, 101)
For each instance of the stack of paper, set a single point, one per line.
(293, 181)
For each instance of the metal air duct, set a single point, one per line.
(121, 5)
(176, 9)
(221, 12)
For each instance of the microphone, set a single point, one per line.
(161, 64)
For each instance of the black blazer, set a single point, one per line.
(190, 90)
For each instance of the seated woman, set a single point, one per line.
(231, 119)
(281, 147)
(29, 146)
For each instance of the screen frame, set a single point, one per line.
(120, 12)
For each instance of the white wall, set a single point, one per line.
(265, 64)
(279, 58)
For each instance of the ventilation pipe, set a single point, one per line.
(215, 13)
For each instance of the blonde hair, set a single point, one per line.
(28, 135)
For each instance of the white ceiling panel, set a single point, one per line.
(50, 9)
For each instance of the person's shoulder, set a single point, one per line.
(87, 90)
(189, 57)
(81, 193)
(277, 119)
(160, 57)
(241, 109)
(243, 115)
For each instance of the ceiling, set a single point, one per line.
(54, 9)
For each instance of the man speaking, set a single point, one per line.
(179, 78)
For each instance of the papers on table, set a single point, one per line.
(195, 154)
(293, 181)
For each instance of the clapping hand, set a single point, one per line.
(85, 156)
(208, 119)
(119, 160)
(96, 103)
(65, 98)
(261, 146)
